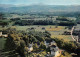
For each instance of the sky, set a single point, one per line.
(47, 2)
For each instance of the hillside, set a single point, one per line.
(40, 8)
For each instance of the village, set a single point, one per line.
(51, 44)
(54, 50)
(39, 35)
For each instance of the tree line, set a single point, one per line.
(44, 22)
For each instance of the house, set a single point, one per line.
(54, 50)
(3, 34)
(49, 43)
(53, 43)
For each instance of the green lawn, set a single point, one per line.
(2, 43)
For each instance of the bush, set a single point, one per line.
(69, 46)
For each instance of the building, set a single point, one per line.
(0, 33)
(49, 43)
(54, 50)
(53, 43)
(3, 34)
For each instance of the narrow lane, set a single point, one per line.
(72, 34)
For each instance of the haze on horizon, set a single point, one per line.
(41, 2)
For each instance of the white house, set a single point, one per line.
(49, 43)
(53, 43)
(54, 50)
(3, 35)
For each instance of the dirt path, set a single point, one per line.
(72, 32)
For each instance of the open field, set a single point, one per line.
(64, 37)
(2, 42)
(37, 27)
(55, 32)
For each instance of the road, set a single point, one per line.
(72, 34)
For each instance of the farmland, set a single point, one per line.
(55, 32)
(24, 29)
(54, 24)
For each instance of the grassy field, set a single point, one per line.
(2, 42)
(64, 37)
(55, 32)
(1, 28)
(47, 27)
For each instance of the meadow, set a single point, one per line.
(55, 32)
(2, 43)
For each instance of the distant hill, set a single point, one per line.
(6, 5)
(40, 8)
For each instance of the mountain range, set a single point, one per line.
(39, 8)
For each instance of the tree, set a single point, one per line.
(42, 46)
(35, 46)
(69, 46)
(22, 48)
